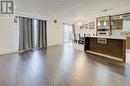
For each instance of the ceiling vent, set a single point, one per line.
(106, 10)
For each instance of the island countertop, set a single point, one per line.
(109, 37)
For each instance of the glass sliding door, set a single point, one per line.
(68, 33)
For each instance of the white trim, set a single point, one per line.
(8, 51)
(30, 15)
(107, 56)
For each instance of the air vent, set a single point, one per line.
(106, 10)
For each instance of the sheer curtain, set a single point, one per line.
(31, 34)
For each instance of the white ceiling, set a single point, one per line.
(73, 9)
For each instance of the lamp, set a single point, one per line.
(79, 24)
(105, 23)
(99, 24)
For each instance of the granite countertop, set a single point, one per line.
(108, 37)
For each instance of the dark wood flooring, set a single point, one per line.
(61, 66)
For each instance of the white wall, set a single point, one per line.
(54, 31)
(40, 10)
(8, 35)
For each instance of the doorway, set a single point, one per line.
(68, 33)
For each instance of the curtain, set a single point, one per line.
(73, 26)
(25, 34)
(42, 36)
(32, 34)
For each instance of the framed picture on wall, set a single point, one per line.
(86, 26)
(91, 25)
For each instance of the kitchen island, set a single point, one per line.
(110, 47)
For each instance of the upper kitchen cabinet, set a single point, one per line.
(103, 26)
(113, 24)
(120, 22)
(116, 22)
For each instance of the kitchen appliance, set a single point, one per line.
(103, 32)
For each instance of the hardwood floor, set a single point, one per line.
(61, 66)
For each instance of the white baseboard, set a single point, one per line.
(8, 51)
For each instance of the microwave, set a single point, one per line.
(103, 32)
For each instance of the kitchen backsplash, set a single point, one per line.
(120, 33)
